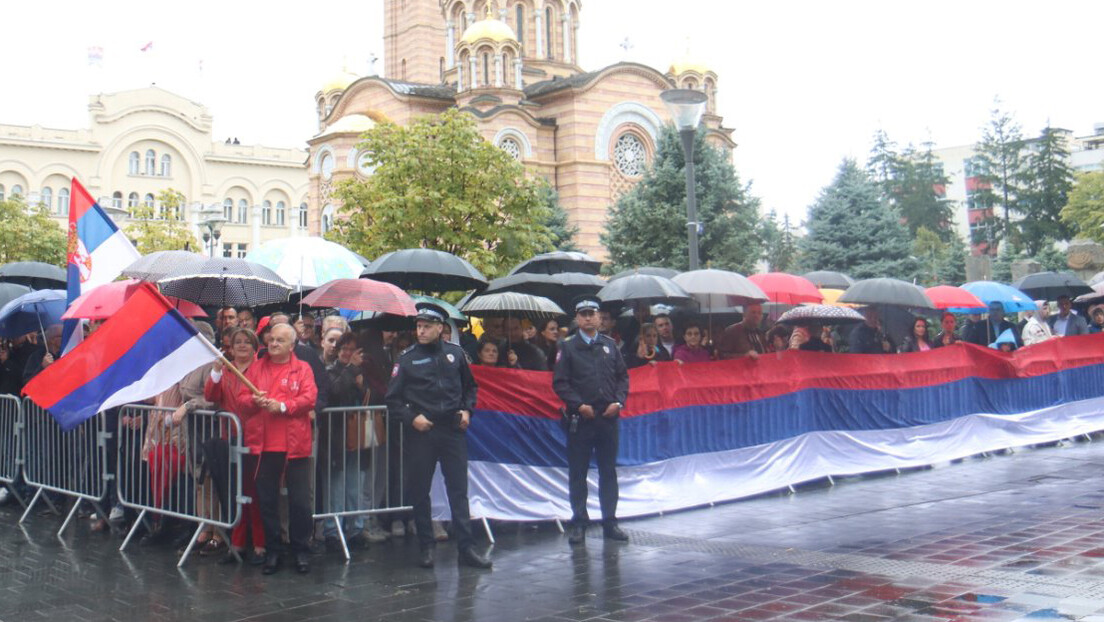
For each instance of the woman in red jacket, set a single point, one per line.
(283, 406)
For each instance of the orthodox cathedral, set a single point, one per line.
(514, 65)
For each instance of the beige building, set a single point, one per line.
(514, 65)
(141, 142)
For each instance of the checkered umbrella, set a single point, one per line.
(158, 264)
(226, 282)
(362, 295)
(820, 314)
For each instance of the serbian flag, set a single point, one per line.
(139, 352)
(97, 253)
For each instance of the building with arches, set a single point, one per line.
(514, 65)
(144, 141)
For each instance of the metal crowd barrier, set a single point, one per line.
(11, 457)
(68, 462)
(189, 470)
(353, 468)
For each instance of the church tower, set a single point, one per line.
(414, 41)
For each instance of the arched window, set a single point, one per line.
(46, 198)
(548, 31)
(135, 162)
(520, 26)
(266, 213)
(281, 211)
(629, 155)
(17, 191)
(327, 219)
(63, 201)
(132, 199)
(228, 209)
(1, 192)
(116, 198)
(486, 69)
(326, 165)
(149, 200)
(243, 212)
(303, 215)
(166, 165)
(511, 146)
(151, 162)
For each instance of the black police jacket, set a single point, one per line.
(593, 373)
(432, 380)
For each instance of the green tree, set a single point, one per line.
(1000, 163)
(160, 227)
(1051, 258)
(952, 265)
(929, 251)
(560, 228)
(438, 184)
(779, 242)
(913, 183)
(884, 162)
(1047, 179)
(30, 234)
(852, 230)
(1002, 266)
(647, 225)
(1084, 211)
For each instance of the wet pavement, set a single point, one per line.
(1010, 537)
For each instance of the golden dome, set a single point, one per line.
(339, 82)
(489, 28)
(350, 123)
(685, 64)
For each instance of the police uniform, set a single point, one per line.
(591, 371)
(435, 380)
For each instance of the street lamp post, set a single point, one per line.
(212, 227)
(686, 107)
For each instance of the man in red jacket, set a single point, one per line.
(287, 397)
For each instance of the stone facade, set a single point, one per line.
(141, 142)
(514, 65)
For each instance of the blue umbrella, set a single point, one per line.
(1010, 298)
(32, 312)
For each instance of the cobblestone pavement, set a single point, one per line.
(1011, 537)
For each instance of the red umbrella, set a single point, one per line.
(951, 297)
(105, 301)
(787, 289)
(362, 295)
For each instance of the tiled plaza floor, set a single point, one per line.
(1012, 537)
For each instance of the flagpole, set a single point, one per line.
(230, 366)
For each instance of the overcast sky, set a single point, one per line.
(804, 84)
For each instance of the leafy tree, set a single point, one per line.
(779, 242)
(438, 184)
(561, 229)
(30, 234)
(1084, 212)
(1000, 162)
(852, 230)
(1047, 179)
(647, 225)
(160, 227)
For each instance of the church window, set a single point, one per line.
(151, 162)
(132, 199)
(548, 31)
(149, 200)
(364, 164)
(486, 69)
(1, 192)
(629, 155)
(326, 165)
(303, 215)
(17, 191)
(63, 201)
(135, 162)
(441, 69)
(117, 199)
(46, 199)
(281, 213)
(266, 213)
(243, 212)
(520, 23)
(166, 165)
(228, 209)
(511, 147)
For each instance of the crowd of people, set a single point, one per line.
(283, 371)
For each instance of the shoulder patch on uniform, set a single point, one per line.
(395, 370)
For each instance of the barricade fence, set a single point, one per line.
(67, 462)
(358, 469)
(182, 466)
(11, 456)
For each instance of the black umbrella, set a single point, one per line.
(666, 273)
(1051, 285)
(556, 262)
(559, 288)
(226, 282)
(886, 291)
(827, 279)
(11, 291)
(426, 270)
(512, 304)
(820, 314)
(33, 274)
(643, 289)
(159, 264)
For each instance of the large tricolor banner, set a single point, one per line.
(97, 253)
(703, 433)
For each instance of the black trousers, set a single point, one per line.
(449, 446)
(297, 473)
(397, 473)
(598, 436)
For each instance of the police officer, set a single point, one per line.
(433, 390)
(591, 379)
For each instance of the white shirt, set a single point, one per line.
(1035, 331)
(1060, 324)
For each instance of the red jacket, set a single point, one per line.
(225, 394)
(291, 383)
